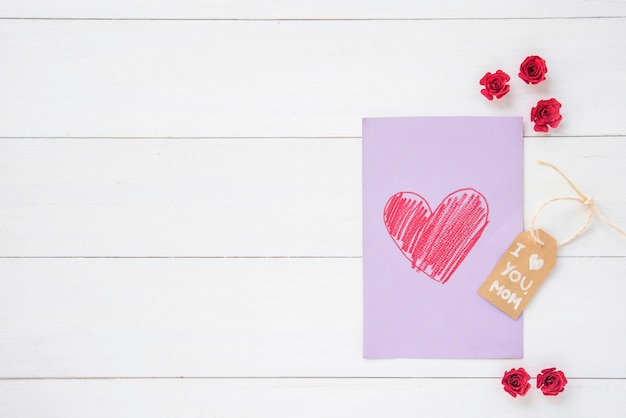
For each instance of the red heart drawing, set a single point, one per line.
(436, 242)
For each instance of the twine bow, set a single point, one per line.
(582, 199)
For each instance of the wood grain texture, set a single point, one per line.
(268, 318)
(180, 194)
(323, 9)
(180, 197)
(300, 397)
(250, 197)
(284, 79)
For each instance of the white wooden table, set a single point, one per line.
(180, 202)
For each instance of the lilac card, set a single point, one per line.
(442, 200)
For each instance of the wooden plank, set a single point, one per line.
(249, 197)
(280, 9)
(303, 398)
(283, 79)
(180, 197)
(223, 318)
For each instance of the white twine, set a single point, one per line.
(582, 199)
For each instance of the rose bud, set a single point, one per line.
(495, 84)
(533, 70)
(551, 381)
(516, 382)
(546, 113)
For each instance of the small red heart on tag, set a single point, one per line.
(436, 242)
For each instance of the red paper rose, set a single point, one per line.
(515, 382)
(551, 381)
(533, 70)
(495, 84)
(546, 113)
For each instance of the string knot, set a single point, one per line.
(584, 200)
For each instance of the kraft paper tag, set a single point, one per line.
(519, 273)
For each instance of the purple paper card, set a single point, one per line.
(442, 200)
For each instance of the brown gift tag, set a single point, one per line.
(531, 256)
(519, 273)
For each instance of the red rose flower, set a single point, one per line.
(546, 113)
(495, 84)
(533, 70)
(551, 381)
(516, 382)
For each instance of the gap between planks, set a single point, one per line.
(52, 378)
(233, 257)
(389, 19)
(264, 137)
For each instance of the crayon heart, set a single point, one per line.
(436, 242)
